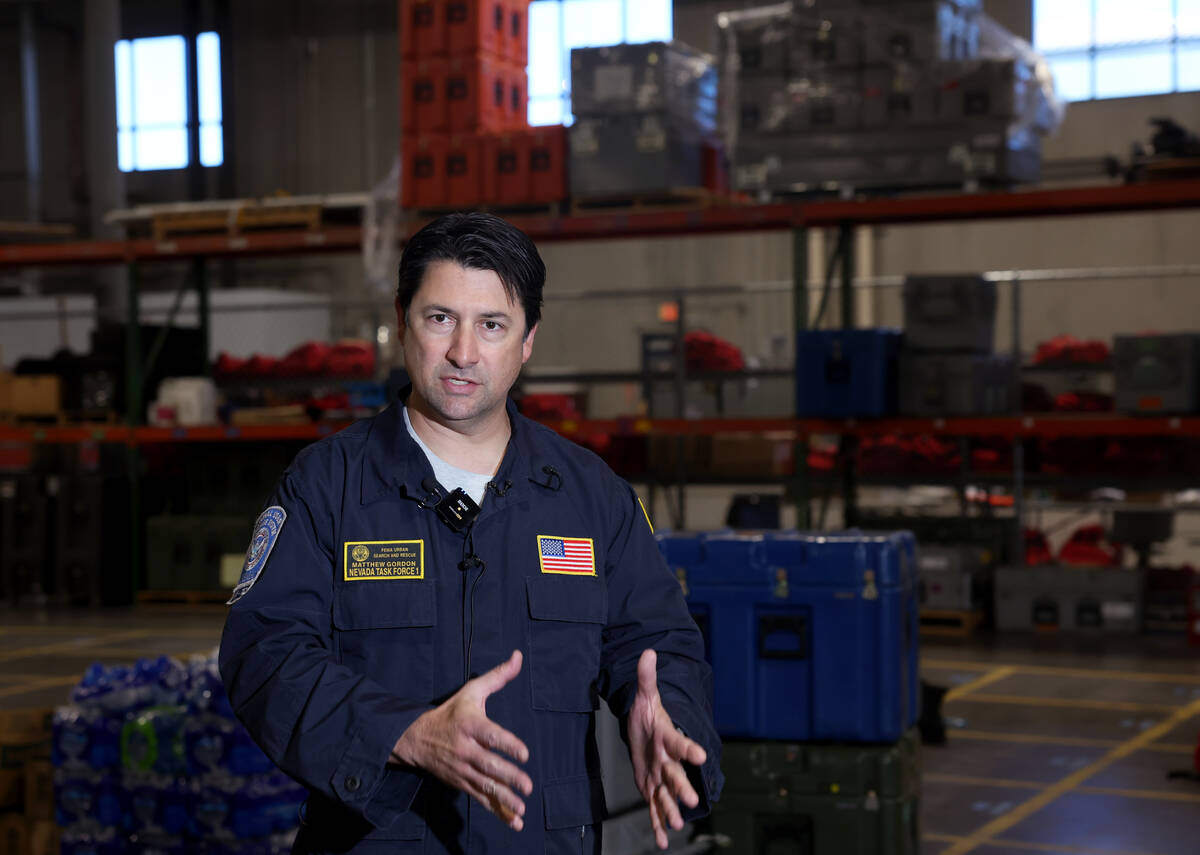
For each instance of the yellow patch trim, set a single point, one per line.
(542, 561)
(646, 515)
(383, 559)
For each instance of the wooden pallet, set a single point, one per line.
(1173, 169)
(676, 199)
(950, 623)
(526, 209)
(235, 220)
(182, 598)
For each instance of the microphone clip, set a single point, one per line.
(457, 509)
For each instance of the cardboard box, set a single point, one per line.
(24, 738)
(14, 834)
(44, 838)
(39, 791)
(752, 455)
(34, 395)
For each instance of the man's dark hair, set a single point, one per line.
(476, 241)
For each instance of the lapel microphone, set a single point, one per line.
(456, 509)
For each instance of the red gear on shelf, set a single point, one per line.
(1037, 548)
(1084, 402)
(704, 351)
(307, 360)
(1089, 546)
(548, 407)
(350, 359)
(1066, 349)
(260, 366)
(228, 366)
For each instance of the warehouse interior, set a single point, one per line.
(756, 323)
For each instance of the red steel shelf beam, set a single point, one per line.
(1069, 201)
(1048, 426)
(717, 218)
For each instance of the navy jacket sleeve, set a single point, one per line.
(646, 609)
(326, 726)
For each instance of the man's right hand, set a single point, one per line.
(459, 744)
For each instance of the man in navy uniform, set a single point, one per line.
(436, 598)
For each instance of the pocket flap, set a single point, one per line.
(567, 598)
(574, 801)
(384, 605)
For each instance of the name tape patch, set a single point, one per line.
(266, 532)
(383, 559)
(574, 556)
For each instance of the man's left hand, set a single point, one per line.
(658, 751)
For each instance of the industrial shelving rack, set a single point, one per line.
(796, 217)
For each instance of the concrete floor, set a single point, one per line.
(1055, 745)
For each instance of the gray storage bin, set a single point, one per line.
(632, 154)
(955, 313)
(640, 78)
(951, 577)
(1157, 373)
(1068, 598)
(955, 384)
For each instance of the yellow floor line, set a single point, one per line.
(37, 685)
(972, 781)
(81, 645)
(1152, 795)
(1171, 747)
(1075, 779)
(123, 653)
(993, 676)
(165, 631)
(1054, 671)
(1034, 847)
(1069, 703)
(939, 778)
(1032, 738)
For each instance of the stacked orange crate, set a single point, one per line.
(463, 81)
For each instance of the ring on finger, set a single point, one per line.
(491, 787)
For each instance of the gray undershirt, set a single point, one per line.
(448, 475)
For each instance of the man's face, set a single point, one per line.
(464, 344)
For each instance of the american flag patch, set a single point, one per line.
(572, 555)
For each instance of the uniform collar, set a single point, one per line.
(393, 462)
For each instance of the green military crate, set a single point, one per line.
(820, 769)
(183, 553)
(818, 799)
(994, 535)
(816, 825)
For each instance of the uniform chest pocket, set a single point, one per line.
(566, 617)
(386, 631)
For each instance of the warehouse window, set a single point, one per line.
(556, 26)
(1119, 48)
(152, 127)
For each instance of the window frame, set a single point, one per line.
(1092, 51)
(626, 7)
(211, 85)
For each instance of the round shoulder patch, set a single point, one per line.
(266, 532)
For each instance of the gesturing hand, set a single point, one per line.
(459, 744)
(658, 752)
